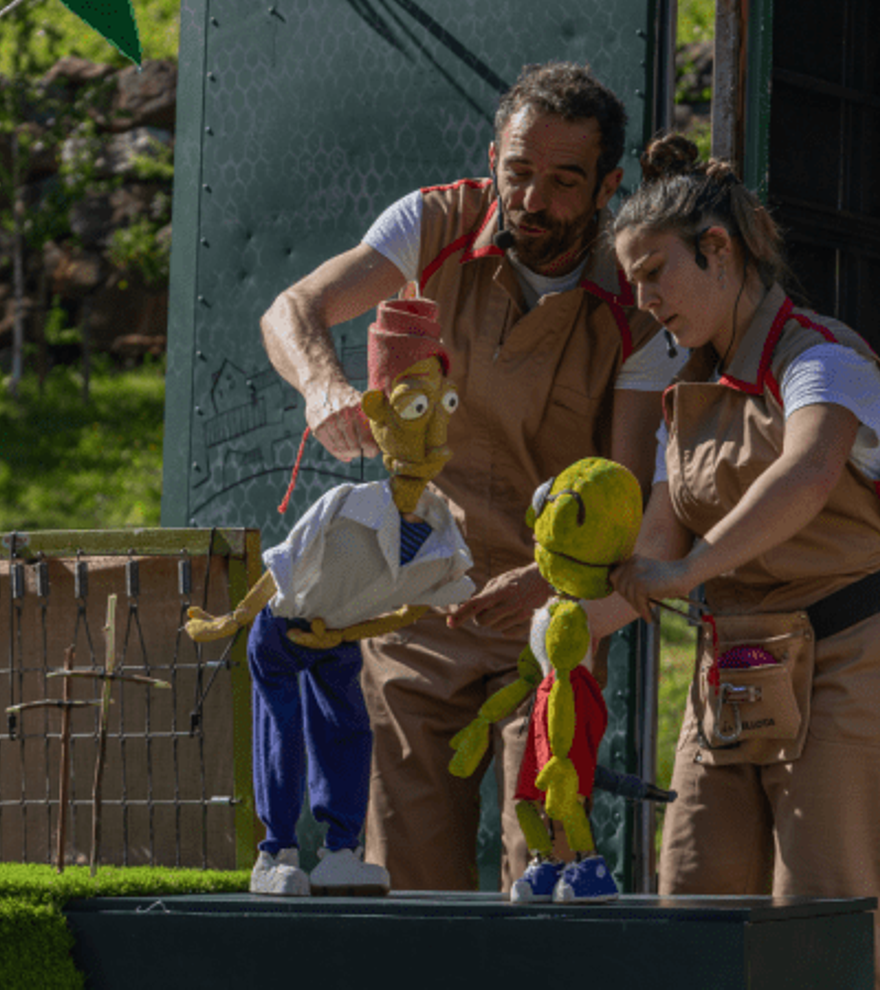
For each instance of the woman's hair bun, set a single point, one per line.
(668, 156)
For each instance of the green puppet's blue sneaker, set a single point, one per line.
(588, 881)
(538, 882)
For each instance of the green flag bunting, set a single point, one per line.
(114, 20)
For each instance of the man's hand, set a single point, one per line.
(506, 603)
(334, 416)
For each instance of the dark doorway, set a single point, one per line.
(824, 167)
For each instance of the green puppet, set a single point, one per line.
(585, 521)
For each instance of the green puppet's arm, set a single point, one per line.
(567, 639)
(204, 628)
(471, 743)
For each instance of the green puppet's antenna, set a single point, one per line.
(112, 19)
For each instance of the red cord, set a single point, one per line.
(286, 500)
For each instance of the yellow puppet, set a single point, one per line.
(585, 521)
(365, 559)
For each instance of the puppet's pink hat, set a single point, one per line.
(405, 331)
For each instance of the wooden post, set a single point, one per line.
(109, 665)
(64, 782)
(726, 79)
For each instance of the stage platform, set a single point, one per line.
(423, 941)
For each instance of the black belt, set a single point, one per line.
(846, 607)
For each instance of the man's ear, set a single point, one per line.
(375, 405)
(493, 157)
(608, 187)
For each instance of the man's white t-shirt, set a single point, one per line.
(396, 235)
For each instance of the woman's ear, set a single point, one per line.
(716, 241)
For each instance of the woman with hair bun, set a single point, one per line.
(767, 493)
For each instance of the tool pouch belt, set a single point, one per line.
(755, 714)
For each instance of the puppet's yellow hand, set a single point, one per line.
(559, 780)
(470, 745)
(318, 638)
(205, 628)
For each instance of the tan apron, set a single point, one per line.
(722, 437)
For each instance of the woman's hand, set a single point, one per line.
(640, 580)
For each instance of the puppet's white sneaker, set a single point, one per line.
(279, 875)
(344, 874)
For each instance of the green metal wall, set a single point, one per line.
(298, 122)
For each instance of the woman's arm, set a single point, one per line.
(784, 499)
(662, 537)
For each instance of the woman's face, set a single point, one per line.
(691, 302)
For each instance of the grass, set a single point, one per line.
(35, 942)
(677, 652)
(66, 464)
(158, 26)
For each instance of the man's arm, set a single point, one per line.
(297, 339)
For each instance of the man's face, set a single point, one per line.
(546, 169)
(410, 425)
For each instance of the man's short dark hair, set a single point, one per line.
(572, 92)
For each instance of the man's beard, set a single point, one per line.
(558, 238)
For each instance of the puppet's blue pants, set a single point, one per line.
(307, 706)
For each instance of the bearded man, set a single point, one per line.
(553, 363)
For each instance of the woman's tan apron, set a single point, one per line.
(722, 437)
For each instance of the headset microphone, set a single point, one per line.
(700, 258)
(671, 349)
(502, 238)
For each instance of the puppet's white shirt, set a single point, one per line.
(341, 561)
(541, 620)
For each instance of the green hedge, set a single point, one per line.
(35, 942)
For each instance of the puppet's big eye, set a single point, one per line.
(416, 407)
(450, 400)
(539, 499)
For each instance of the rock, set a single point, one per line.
(124, 305)
(75, 72)
(146, 98)
(122, 149)
(132, 202)
(42, 155)
(133, 346)
(116, 154)
(73, 271)
(42, 159)
(91, 220)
